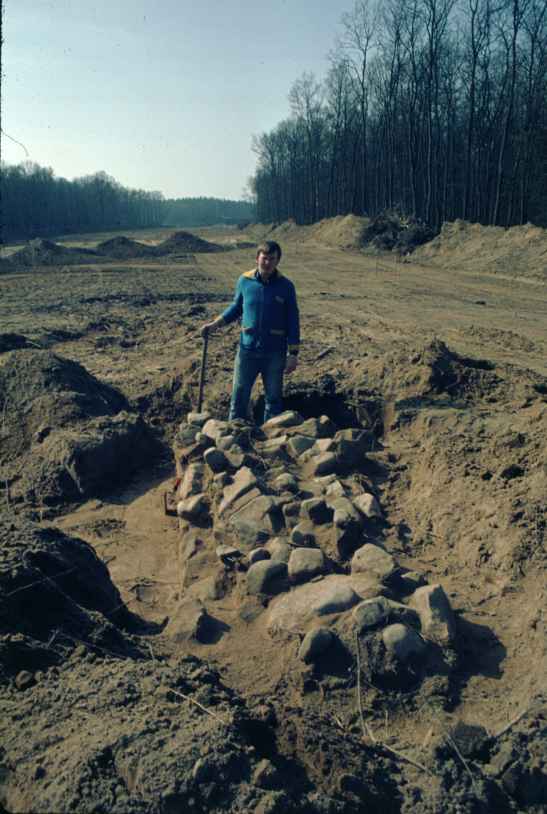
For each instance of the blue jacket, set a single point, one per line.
(268, 312)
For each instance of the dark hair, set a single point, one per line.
(269, 247)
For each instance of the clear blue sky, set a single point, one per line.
(162, 95)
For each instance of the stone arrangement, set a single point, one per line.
(285, 513)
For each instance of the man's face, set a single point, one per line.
(267, 264)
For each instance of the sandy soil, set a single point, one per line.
(462, 480)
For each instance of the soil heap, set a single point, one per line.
(65, 435)
(41, 252)
(184, 242)
(123, 248)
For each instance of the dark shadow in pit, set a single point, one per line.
(481, 652)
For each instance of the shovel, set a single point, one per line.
(202, 372)
(169, 498)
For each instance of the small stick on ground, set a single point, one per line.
(511, 723)
(204, 709)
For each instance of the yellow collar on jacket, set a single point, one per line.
(252, 273)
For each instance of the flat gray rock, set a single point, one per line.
(292, 611)
(324, 464)
(280, 551)
(316, 511)
(193, 507)
(192, 482)
(297, 444)
(368, 505)
(215, 429)
(244, 480)
(303, 534)
(257, 520)
(285, 483)
(305, 563)
(374, 560)
(266, 577)
(198, 419)
(289, 418)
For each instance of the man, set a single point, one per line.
(265, 301)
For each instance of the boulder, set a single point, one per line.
(303, 535)
(352, 445)
(257, 520)
(305, 563)
(215, 459)
(436, 615)
(186, 434)
(380, 611)
(266, 577)
(274, 447)
(257, 554)
(297, 444)
(345, 513)
(403, 642)
(315, 643)
(280, 551)
(292, 611)
(323, 445)
(193, 507)
(285, 483)
(192, 481)
(334, 490)
(371, 559)
(190, 621)
(213, 428)
(198, 419)
(289, 418)
(244, 480)
(316, 511)
(291, 513)
(324, 464)
(368, 505)
(321, 427)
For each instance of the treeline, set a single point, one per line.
(435, 107)
(206, 212)
(35, 203)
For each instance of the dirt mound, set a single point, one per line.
(181, 242)
(54, 593)
(392, 231)
(343, 232)
(123, 248)
(41, 252)
(520, 251)
(65, 434)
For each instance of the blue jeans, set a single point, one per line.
(248, 365)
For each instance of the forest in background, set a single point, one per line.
(435, 107)
(35, 203)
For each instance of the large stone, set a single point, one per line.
(303, 535)
(321, 427)
(368, 505)
(316, 511)
(274, 447)
(193, 507)
(403, 642)
(285, 483)
(298, 444)
(186, 434)
(189, 621)
(192, 481)
(315, 643)
(305, 563)
(257, 555)
(215, 429)
(345, 513)
(334, 490)
(436, 615)
(371, 559)
(379, 611)
(292, 611)
(244, 481)
(266, 577)
(280, 551)
(198, 419)
(323, 445)
(289, 418)
(324, 464)
(215, 459)
(352, 445)
(291, 513)
(257, 521)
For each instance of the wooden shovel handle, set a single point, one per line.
(202, 372)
